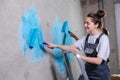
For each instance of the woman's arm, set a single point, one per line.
(93, 60)
(71, 48)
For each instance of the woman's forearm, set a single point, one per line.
(66, 48)
(71, 48)
(93, 60)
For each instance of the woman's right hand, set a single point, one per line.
(50, 45)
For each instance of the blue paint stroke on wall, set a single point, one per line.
(67, 40)
(57, 38)
(31, 36)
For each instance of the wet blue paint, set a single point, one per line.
(31, 36)
(31, 39)
(67, 40)
(57, 38)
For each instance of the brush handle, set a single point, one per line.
(73, 35)
(47, 44)
(30, 47)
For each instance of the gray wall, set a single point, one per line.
(110, 24)
(13, 65)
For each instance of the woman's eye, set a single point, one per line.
(86, 23)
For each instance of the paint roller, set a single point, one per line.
(65, 30)
(33, 34)
(33, 37)
(73, 35)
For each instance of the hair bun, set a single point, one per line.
(100, 14)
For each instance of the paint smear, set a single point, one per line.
(57, 38)
(31, 36)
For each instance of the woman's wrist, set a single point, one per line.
(56, 46)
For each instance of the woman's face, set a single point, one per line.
(89, 25)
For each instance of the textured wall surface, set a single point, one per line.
(111, 26)
(13, 65)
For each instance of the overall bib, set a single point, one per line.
(95, 72)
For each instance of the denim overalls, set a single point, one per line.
(95, 72)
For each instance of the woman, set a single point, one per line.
(95, 45)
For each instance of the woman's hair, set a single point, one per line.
(97, 19)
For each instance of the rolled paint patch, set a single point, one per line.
(31, 36)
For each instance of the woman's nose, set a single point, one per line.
(85, 25)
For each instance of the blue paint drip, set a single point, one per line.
(31, 36)
(57, 38)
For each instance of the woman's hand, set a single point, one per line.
(50, 45)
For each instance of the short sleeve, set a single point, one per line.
(80, 43)
(104, 48)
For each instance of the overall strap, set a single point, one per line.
(86, 40)
(98, 39)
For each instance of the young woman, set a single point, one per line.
(95, 45)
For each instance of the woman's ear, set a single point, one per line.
(96, 25)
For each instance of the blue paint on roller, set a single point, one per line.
(31, 36)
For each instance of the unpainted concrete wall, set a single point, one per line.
(109, 23)
(13, 65)
(111, 26)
